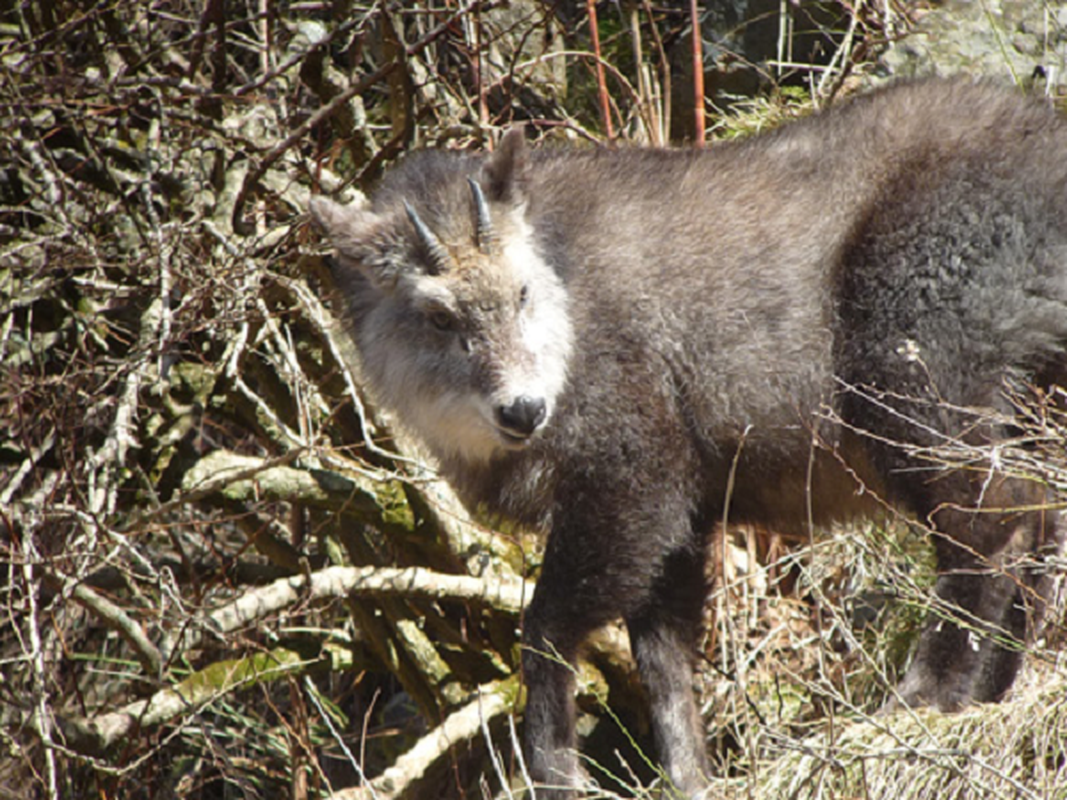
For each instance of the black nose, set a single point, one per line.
(523, 416)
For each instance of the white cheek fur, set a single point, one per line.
(432, 386)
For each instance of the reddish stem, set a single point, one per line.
(698, 75)
(601, 80)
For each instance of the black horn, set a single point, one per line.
(483, 225)
(439, 257)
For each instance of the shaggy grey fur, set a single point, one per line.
(646, 322)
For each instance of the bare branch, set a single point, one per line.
(492, 701)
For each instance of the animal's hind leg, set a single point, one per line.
(1024, 612)
(971, 648)
(984, 527)
(663, 635)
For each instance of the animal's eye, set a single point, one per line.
(441, 319)
(524, 296)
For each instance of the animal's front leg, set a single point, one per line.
(663, 636)
(550, 741)
(556, 623)
(584, 584)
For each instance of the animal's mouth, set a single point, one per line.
(513, 440)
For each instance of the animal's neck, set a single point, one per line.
(515, 485)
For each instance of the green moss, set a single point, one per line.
(393, 501)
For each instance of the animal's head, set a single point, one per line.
(462, 327)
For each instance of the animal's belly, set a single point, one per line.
(789, 485)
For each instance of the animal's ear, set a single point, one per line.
(504, 172)
(340, 223)
(359, 237)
